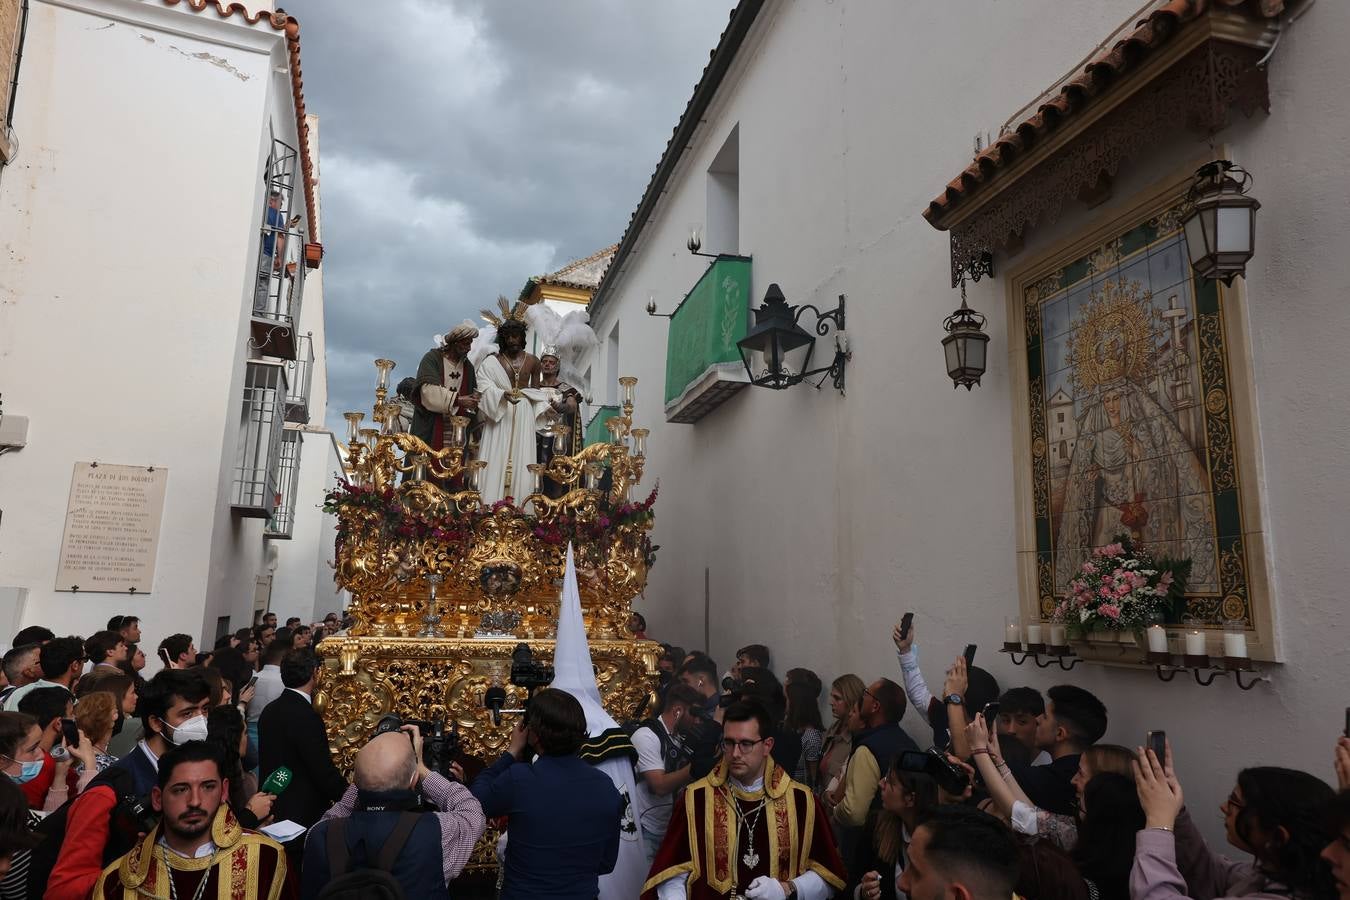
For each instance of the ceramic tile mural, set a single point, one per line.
(1130, 417)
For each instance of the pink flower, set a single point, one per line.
(1089, 568)
(1106, 592)
(1110, 610)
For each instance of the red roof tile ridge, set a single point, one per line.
(1097, 76)
(283, 22)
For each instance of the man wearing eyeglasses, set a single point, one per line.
(718, 843)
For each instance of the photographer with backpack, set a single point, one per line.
(378, 842)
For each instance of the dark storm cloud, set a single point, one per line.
(467, 146)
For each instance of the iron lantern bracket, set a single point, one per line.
(827, 322)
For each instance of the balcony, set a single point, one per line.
(703, 364)
(279, 282)
(299, 374)
(282, 523)
(595, 429)
(257, 458)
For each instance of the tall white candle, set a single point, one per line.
(1235, 644)
(1157, 639)
(1057, 636)
(1195, 643)
(1012, 632)
(1034, 633)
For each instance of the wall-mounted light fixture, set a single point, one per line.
(777, 351)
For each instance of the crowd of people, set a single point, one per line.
(215, 778)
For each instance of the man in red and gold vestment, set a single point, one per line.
(198, 841)
(747, 830)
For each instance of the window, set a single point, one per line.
(724, 197)
(1059, 417)
(612, 367)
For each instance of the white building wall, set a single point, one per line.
(130, 231)
(821, 518)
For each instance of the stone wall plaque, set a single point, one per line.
(112, 528)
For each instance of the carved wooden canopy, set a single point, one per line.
(1186, 65)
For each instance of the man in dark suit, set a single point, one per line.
(291, 734)
(563, 825)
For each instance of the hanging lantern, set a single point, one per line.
(1220, 224)
(966, 345)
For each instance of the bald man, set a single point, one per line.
(424, 851)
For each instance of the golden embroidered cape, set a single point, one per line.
(246, 866)
(791, 836)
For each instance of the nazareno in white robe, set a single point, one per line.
(508, 432)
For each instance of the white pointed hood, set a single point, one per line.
(572, 668)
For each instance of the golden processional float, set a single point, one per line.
(444, 587)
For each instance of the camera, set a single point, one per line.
(439, 747)
(135, 814)
(526, 671)
(933, 763)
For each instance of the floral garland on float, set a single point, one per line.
(1123, 588)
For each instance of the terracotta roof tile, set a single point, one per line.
(279, 21)
(1096, 78)
(582, 273)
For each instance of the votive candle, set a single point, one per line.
(1012, 631)
(1157, 639)
(1235, 644)
(1058, 635)
(1034, 633)
(1195, 643)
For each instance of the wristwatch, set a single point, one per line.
(954, 700)
(790, 889)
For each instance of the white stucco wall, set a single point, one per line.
(822, 518)
(129, 231)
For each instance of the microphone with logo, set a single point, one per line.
(285, 830)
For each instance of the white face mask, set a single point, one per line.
(194, 729)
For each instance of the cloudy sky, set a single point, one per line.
(466, 146)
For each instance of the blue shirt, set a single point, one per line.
(563, 825)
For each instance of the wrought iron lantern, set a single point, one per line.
(1220, 223)
(966, 346)
(777, 350)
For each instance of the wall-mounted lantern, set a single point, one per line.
(777, 350)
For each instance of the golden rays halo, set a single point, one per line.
(1113, 336)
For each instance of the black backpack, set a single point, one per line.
(365, 883)
(124, 829)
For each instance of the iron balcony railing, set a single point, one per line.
(280, 278)
(299, 375)
(262, 422)
(282, 523)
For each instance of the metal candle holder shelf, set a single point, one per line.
(1057, 654)
(1165, 662)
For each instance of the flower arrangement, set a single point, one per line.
(1123, 588)
(456, 528)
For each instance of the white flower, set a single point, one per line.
(1084, 615)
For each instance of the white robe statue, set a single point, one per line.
(511, 418)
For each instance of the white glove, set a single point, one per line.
(765, 888)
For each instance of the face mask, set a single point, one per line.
(27, 770)
(194, 729)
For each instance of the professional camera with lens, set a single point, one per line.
(439, 747)
(935, 764)
(526, 671)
